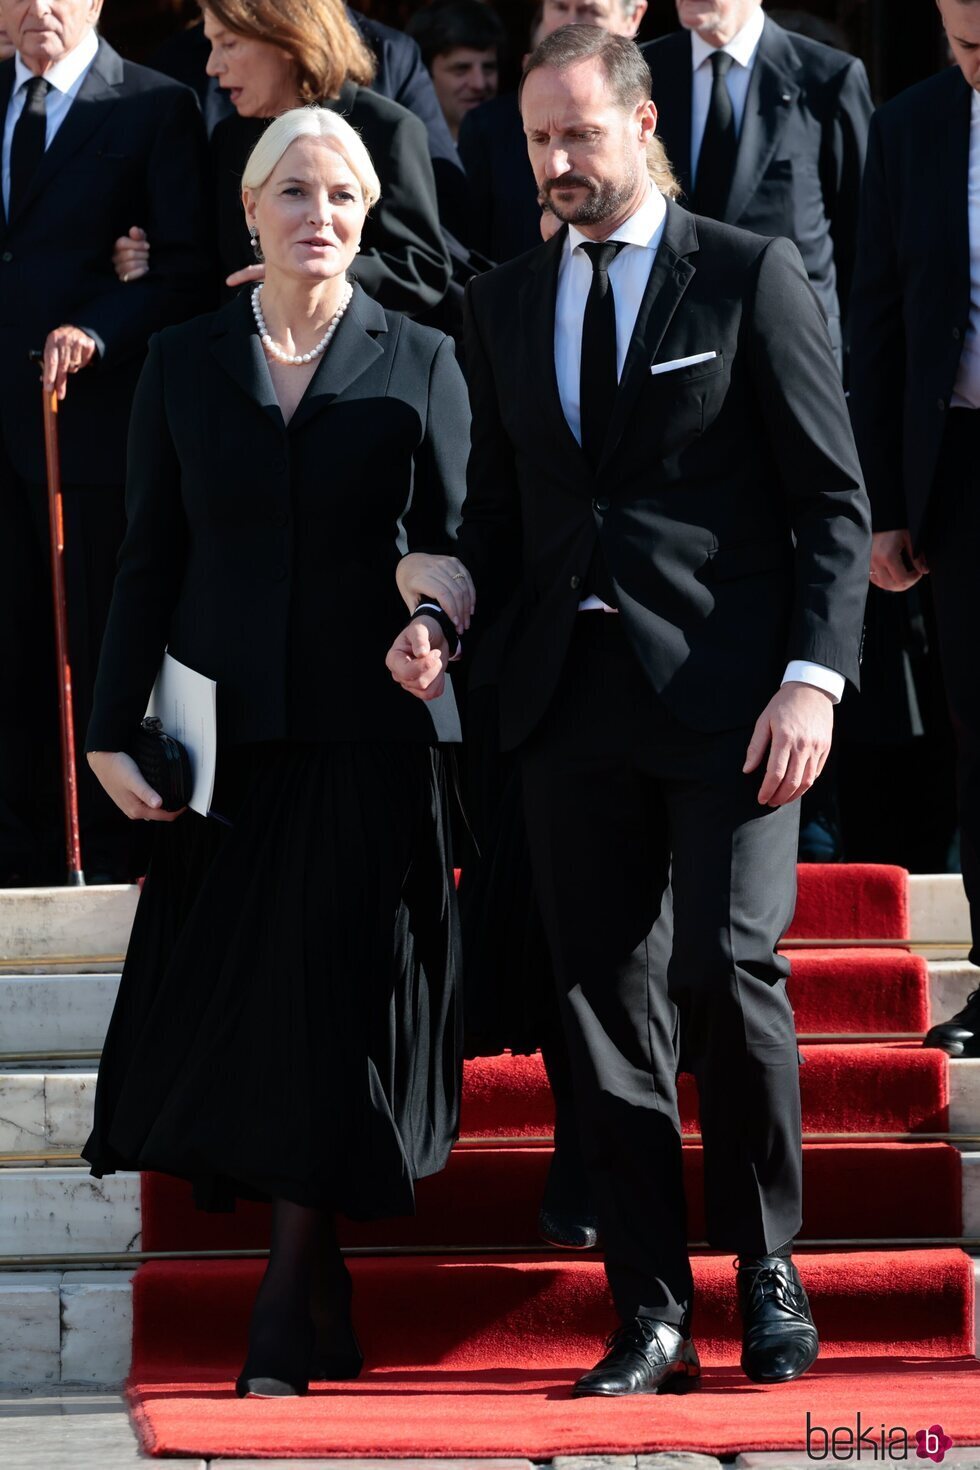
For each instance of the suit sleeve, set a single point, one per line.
(843, 167)
(490, 538)
(878, 350)
(798, 386)
(150, 570)
(177, 220)
(432, 520)
(404, 263)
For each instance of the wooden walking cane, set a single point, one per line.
(56, 528)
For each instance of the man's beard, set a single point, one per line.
(602, 201)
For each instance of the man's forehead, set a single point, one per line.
(962, 21)
(573, 94)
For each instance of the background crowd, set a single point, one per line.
(126, 131)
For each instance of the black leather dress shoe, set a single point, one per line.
(960, 1035)
(645, 1356)
(779, 1340)
(569, 1231)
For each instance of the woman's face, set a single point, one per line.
(260, 78)
(309, 212)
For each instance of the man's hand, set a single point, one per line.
(418, 657)
(797, 724)
(131, 255)
(246, 275)
(893, 567)
(67, 350)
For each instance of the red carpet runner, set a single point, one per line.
(475, 1355)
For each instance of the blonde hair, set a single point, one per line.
(312, 122)
(325, 46)
(660, 170)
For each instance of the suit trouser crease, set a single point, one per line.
(664, 889)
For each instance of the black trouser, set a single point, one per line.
(31, 803)
(622, 803)
(952, 549)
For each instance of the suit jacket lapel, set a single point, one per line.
(352, 351)
(235, 345)
(954, 165)
(773, 90)
(6, 91)
(538, 301)
(672, 94)
(669, 278)
(95, 99)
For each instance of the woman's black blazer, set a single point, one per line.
(404, 262)
(263, 554)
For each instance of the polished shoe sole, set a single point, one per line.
(267, 1388)
(679, 1382)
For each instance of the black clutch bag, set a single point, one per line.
(164, 764)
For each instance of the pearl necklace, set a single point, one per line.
(273, 348)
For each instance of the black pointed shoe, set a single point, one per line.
(960, 1035)
(645, 1356)
(278, 1362)
(779, 1340)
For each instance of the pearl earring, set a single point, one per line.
(256, 243)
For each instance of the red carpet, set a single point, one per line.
(450, 1343)
(476, 1355)
(850, 1191)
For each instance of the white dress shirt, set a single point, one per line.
(966, 389)
(628, 276)
(742, 48)
(64, 79)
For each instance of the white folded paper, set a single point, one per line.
(185, 703)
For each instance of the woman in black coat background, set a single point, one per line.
(287, 1024)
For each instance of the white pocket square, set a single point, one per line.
(681, 362)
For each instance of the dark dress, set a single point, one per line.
(404, 261)
(287, 1022)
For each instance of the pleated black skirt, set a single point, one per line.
(287, 1022)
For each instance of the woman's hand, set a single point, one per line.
(131, 255)
(246, 275)
(120, 777)
(442, 579)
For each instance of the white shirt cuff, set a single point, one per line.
(798, 671)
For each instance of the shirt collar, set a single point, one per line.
(742, 47)
(66, 72)
(644, 227)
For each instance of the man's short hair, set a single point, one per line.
(622, 61)
(449, 24)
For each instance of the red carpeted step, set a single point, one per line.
(491, 1197)
(851, 901)
(478, 1357)
(892, 1088)
(859, 991)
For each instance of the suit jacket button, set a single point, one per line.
(279, 574)
(956, 334)
(575, 583)
(941, 405)
(601, 504)
(7, 257)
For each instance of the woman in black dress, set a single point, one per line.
(287, 1024)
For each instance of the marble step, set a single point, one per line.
(54, 925)
(51, 1014)
(52, 1110)
(64, 1212)
(76, 1326)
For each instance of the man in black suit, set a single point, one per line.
(915, 394)
(90, 142)
(505, 216)
(664, 487)
(767, 130)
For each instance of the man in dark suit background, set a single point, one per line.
(664, 489)
(505, 216)
(915, 394)
(767, 130)
(90, 142)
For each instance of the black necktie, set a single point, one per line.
(716, 161)
(27, 147)
(598, 379)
